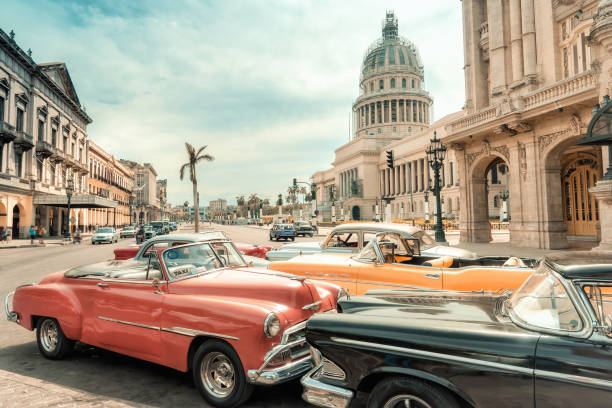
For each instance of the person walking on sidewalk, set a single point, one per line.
(41, 233)
(32, 234)
(2, 235)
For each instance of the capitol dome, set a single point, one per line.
(391, 52)
(392, 103)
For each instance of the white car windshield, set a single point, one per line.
(104, 231)
(198, 258)
(543, 302)
(426, 241)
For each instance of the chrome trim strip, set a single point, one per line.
(423, 353)
(574, 378)
(395, 285)
(324, 395)
(313, 306)
(145, 326)
(194, 333)
(177, 330)
(141, 282)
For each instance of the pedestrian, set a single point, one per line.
(41, 233)
(2, 236)
(32, 234)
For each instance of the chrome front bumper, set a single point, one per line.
(324, 395)
(10, 316)
(301, 363)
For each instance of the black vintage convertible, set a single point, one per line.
(549, 344)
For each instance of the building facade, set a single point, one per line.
(146, 204)
(532, 75)
(110, 179)
(43, 142)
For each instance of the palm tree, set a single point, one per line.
(240, 201)
(194, 158)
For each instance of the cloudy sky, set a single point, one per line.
(267, 85)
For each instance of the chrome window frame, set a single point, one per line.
(574, 296)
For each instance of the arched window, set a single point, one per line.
(392, 82)
(403, 82)
(372, 86)
(575, 51)
(413, 83)
(381, 84)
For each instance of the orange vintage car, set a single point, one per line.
(392, 259)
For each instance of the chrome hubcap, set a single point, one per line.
(406, 401)
(218, 374)
(49, 335)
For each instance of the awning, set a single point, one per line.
(76, 201)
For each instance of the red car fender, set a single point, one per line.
(49, 300)
(236, 321)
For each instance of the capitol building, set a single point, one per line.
(534, 70)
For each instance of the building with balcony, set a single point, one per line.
(534, 69)
(112, 180)
(43, 142)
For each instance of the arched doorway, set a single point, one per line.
(3, 216)
(356, 213)
(580, 208)
(16, 217)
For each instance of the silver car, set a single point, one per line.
(128, 232)
(351, 238)
(106, 234)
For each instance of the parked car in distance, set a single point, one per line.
(196, 307)
(549, 344)
(160, 228)
(304, 228)
(150, 232)
(284, 231)
(258, 251)
(351, 238)
(140, 252)
(128, 232)
(173, 226)
(105, 234)
(393, 259)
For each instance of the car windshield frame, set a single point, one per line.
(209, 245)
(529, 290)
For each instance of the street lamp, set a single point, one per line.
(69, 191)
(426, 196)
(504, 195)
(435, 156)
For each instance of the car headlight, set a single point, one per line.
(272, 325)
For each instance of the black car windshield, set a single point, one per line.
(543, 302)
(201, 257)
(104, 230)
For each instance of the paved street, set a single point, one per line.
(93, 377)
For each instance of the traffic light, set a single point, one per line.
(294, 183)
(390, 159)
(279, 202)
(313, 192)
(260, 205)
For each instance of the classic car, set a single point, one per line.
(284, 231)
(351, 238)
(128, 232)
(304, 228)
(160, 227)
(549, 344)
(195, 307)
(149, 232)
(394, 260)
(106, 234)
(164, 241)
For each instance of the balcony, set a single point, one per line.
(7, 132)
(44, 149)
(23, 142)
(562, 89)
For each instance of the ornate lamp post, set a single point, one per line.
(426, 196)
(504, 195)
(435, 156)
(69, 191)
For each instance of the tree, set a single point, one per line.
(254, 203)
(240, 202)
(194, 158)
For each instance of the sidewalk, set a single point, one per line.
(49, 241)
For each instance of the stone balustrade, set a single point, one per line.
(474, 119)
(561, 89)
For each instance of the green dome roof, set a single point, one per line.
(391, 53)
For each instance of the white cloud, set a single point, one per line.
(267, 85)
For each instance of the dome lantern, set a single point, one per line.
(390, 26)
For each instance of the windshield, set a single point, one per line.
(542, 301)
(197, 258)
(426, 241)
(104, 230)
(367, 254)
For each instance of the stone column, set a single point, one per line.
(398, 189)
(497, 47)
(529, 39)
(603, 193)
(516, 40)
